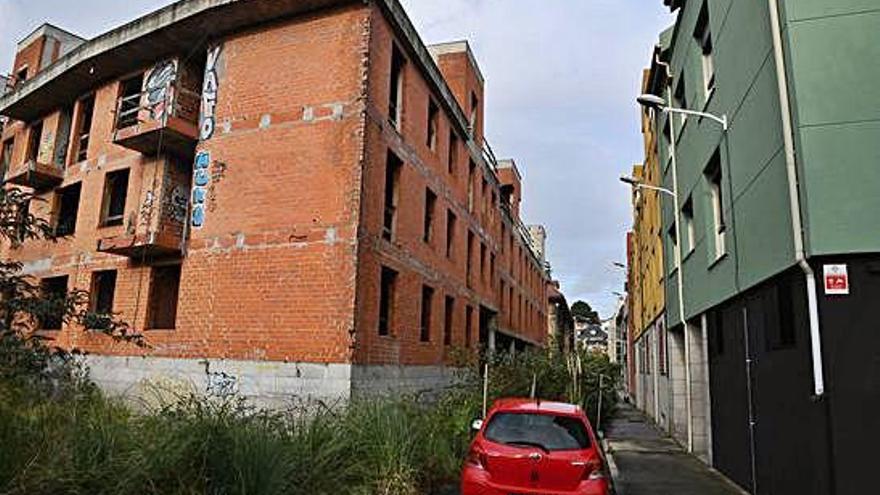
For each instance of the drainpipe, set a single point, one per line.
(795, 202)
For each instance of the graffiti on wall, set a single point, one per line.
(207, 124)
(201, 181)
(209, 94)
(157, 86)
(178, 203)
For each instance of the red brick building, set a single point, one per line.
(285, 197)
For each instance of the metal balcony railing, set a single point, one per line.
(158, 105)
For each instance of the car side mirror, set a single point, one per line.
(477, 425)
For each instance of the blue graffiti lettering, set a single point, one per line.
(201, 181)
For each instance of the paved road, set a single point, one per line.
(650, 463)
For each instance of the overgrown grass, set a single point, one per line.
(85, 443)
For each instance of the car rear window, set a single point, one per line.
(546, 431)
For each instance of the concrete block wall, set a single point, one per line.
(700, 392)
(679, 386)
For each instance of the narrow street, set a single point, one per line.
(649, 463)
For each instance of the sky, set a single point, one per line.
(561, 81)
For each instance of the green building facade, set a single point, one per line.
(755, 396)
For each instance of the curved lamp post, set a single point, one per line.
(658, 103)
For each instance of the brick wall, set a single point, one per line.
(286, 266)
(421, 263)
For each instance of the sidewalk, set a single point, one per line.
(646, 462)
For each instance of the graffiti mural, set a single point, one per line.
(157, 87)
(201, 180)
(209, 94)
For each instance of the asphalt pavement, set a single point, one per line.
(647, 462)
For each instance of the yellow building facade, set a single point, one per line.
(646, 269)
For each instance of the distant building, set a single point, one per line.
(560, 324)
(590, 335)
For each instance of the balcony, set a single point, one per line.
(155, 227)
(165, 117)
(139, 246)
(37, 175)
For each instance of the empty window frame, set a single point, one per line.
(129, 101)
(425, 320)
(115, 194)
(468, 326)
(393, 166)
(84, 127)
(54, 290)
(428, 224)
(6, 156)
(21, 76)
(687, 218)
(472, 169)
(433, 125)
(395, 97)
(703, 35)
(67, 204)
(472, 120)
(451, 221)
(491, 269)
(452, 161)
(386, 300)
(470, 257)
(164, 289)
(714, 181)
(35, 134)
(448, 317)
(103, 288)
(483, 261)
(484, 198)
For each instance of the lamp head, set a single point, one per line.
(630, 181)
(651, 101)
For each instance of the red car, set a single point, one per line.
(531, 447)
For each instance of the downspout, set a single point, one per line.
(680, 265)
(795, 202)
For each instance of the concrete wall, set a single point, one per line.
(269, 384)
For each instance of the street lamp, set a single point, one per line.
(641, 185)
(655, 102)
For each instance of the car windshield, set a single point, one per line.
(547, 431)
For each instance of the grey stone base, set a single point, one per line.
(264, 383)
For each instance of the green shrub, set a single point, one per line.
(83, 443)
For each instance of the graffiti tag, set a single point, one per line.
(157, 86)
(201, 180)
(221, 384)
(209, 94)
